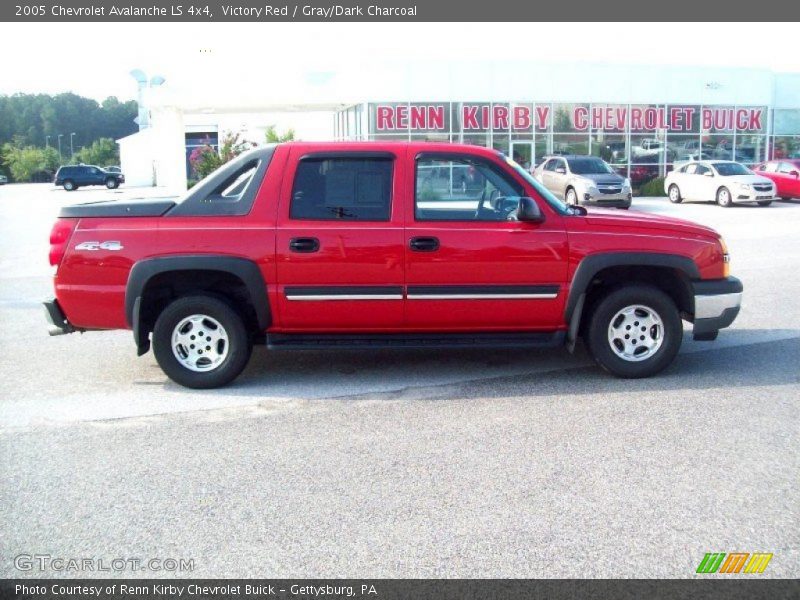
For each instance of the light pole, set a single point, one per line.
(47, 141)
(71, 150)
(60, 135)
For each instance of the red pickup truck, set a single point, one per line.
(368, 245)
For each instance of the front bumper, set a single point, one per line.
(57, 323)
(753, 195)
(716, 305)
(613, 200)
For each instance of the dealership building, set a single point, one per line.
(640, 119)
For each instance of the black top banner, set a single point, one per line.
(404, 10)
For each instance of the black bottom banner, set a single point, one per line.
(390, 589)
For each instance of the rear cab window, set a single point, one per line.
(342, 188)
(228, 191)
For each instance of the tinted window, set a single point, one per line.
(702, 170)
(690, 169)
(351, 189)
(728, 169)
(551, 165)
(588, 166)
(463, 189)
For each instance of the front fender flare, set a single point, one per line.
(591, 265)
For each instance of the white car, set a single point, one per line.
(723, 181)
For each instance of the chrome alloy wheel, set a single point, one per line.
(636, 333)
(200, 343)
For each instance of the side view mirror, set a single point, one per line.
(795, 174)
(561, 170)
(529, 211)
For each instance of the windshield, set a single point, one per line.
(557, 204)
(728, 169)
(588, 166)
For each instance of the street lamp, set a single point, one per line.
(60, 135)
(47, 141)
(71, 150)
(142, 84)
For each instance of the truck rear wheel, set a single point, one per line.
(634, 331)
(201, 342)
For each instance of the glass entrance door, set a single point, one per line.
(522, 153)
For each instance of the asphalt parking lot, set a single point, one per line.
(404, 464)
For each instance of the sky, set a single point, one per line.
(262, 53)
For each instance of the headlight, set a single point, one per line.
(744, 186)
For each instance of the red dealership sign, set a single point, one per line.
(525, 117)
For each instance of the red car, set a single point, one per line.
(786, 175)
(370, 245)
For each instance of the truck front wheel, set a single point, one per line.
(201, 342)
(634, 331)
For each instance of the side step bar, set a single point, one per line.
(415, 341)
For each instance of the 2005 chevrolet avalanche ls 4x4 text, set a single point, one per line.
(415, 245)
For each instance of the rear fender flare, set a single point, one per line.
(144, 270)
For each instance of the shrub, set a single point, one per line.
(654, 187)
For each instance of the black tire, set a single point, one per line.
(238, 352)
(724, 197)
(785, 199)
(607, 308)
(575, 202)
(764, 202)
(675, 197)
(69, 185)
(112, 183)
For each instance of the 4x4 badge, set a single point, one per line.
(99, 246)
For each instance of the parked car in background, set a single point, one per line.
(584, 180)
(73, 177)
(692, 150)
(785, 174)
(723, 181)
(648, 148)
(3, 179)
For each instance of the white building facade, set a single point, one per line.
(640, 119)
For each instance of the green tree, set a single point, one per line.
(102, 152)
(273, 137)
(35, 116)
(25, 161)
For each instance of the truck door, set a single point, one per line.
(340, 242)
(468, 267)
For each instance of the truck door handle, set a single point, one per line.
(424, 244)
(309, 244)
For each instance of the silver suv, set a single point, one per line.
(584, 180)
